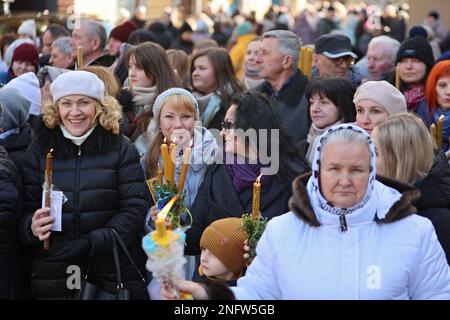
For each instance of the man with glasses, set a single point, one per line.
(333, 56)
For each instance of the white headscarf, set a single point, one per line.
(377, 199)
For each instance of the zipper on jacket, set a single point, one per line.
(343, 223)
(76, 208)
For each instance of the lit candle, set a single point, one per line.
(302, 59)
(256, 197)
(48, 186)
(165, 159)
(397, 77)
(308, 62)
(160, 175)
(80, 61)
(439, 127)
(184, 168)
(171, 173)
(160, 222)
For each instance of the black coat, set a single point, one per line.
(105, 188)
(217, 199)
(435, 200)
(17, 145)
(10, 251)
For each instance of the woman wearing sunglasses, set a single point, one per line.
(254, 143)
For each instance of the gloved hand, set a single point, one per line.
(73, 252)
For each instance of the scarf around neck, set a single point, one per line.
(413, 97)
(242, 173)
(144, 97)
(76, 140)
(322, 207)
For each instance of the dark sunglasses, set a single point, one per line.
(227, 125)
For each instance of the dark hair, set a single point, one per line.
(223, 70)
(7, 39)
(255, 112)
(338, 90)
(152, 58)
(58, 31)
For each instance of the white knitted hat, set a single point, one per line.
(170, 92)
(28, 27)
(77, 82)
(28, 85)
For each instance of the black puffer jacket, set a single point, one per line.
(217, 199)
(435, 200)
(105, 188)
(10, 251)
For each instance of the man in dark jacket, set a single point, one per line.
(284, 84)
(10, 204)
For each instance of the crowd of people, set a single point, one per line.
(357, 208)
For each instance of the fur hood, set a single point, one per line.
(300, 203)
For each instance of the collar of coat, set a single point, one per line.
(291, 91)
(300, 203)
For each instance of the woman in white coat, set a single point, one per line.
(348, 236)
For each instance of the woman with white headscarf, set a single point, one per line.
(347, 236)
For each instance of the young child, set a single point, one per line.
(222, 257)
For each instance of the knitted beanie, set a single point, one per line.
(14, 109)
(382, 93)
(123, 31)
(416, 47)
(225, 238)
(27, 52)
(161, 99)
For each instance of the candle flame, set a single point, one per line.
(51, 150)
(259, 178)
(163, 213)
(191, 143)
(164, 140)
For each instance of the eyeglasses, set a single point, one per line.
(347, 59)
(227, 126)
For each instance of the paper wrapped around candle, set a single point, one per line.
(256, 197)
(48, 186)
(184, 169)
(439, 128)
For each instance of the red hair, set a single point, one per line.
(440, 69)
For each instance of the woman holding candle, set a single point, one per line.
(149, 74)
(405, 152)
(348, 236)
(98, 171)
(176, 112)
(437, 102)
(227, 189)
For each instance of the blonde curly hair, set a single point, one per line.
(107, 112)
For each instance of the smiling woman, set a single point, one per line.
(98, 170)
